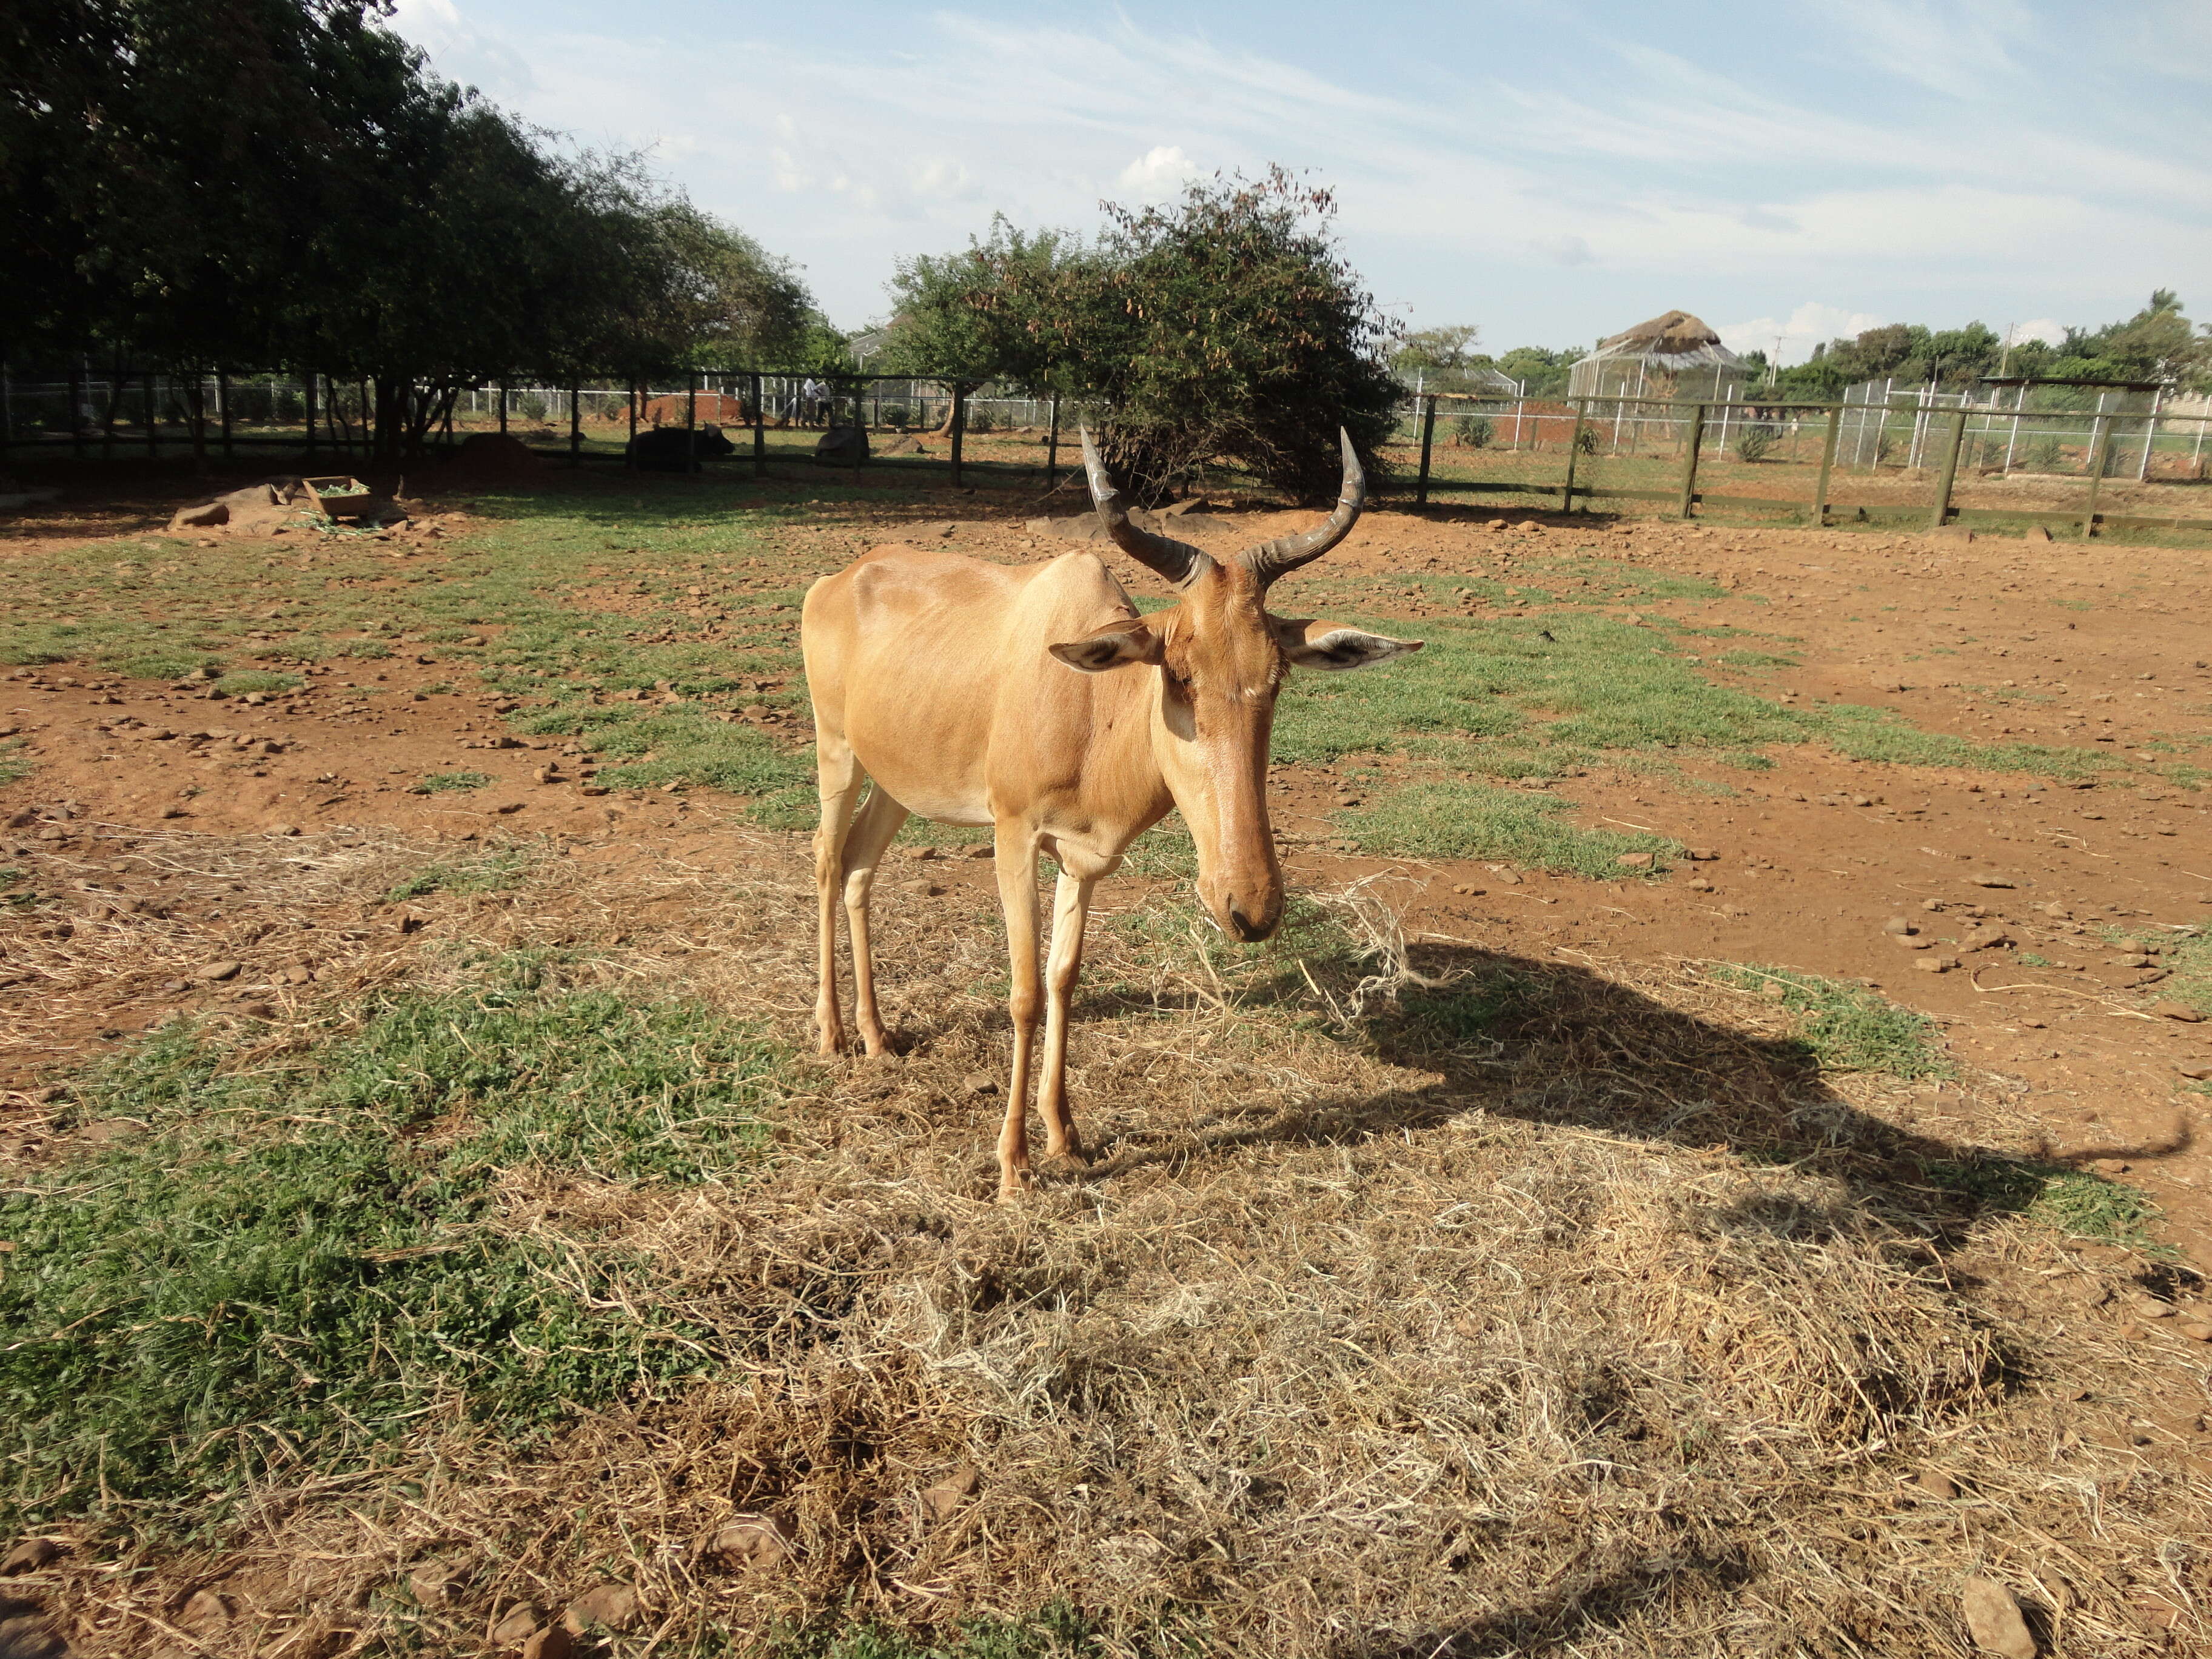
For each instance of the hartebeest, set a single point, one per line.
(1035, 699)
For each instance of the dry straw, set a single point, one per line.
(1604, 1325)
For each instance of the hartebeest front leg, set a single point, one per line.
(1016, 847)
(839, 778)
(1071, 910)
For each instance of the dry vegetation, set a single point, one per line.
(490, 1246)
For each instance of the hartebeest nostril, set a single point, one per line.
(1247, 930)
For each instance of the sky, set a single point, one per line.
(1550, 172)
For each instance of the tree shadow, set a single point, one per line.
(1555, 1044)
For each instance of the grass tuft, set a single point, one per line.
(1461, 818)
(301, 1257)
(438, 783)
(2075, 1202)
(1843, 1027)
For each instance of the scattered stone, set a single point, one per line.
(204, 1610)
(924, 889)
(982, 849)
(1987, 879)
(1993, 1619)
(925, 852)
(979, 1082)
(608, 1606)
(940, 1500)
(433, 1582)
(752, 1542)
(1899, 925)
(2195, 1330)
(1510, 878)
(2195, 1071)
(549, 773)
(1700, 855)
(1936, 1485)
(257, 1010)
(32, 1555)
(1466, 890)
(506, 808)
(215, 973)
(285, 830)
(2180, 1011)
(553, 1642)
(517, 1624)
(1883, 683)
(1936, 964)
(1634, 860)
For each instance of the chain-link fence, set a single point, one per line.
(2060, 454)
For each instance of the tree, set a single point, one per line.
(284, 182)
(1224, 328)
(1435, 350)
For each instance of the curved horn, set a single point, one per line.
(1286, 553)
(1179, 562)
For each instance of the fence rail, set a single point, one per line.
(1653, 449)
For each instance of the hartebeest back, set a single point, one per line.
(1035, 699)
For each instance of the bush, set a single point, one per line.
(1755, 443)
(979, 420)
(896, 415)
(531, 406)
(1473, 431)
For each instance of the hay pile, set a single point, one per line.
(1552, 1310)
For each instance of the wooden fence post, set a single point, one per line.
(223, 407)
(1574, 453)
(1939, 514)
(310, 396)
(2097, 447)
(1827, 465)
(153, 426)
(959, 426)
(1428, 436)
(860, 427)
(1694, 441)
(691, 422)
(760, 432)
(1052, 448)
(502, 405)
(629, 449)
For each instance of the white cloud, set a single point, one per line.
(1811, 323)
(1158, 173)
(2049, 329)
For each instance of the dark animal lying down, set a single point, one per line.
(672, 448)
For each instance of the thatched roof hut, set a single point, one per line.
(1674, 354)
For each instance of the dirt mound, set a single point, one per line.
(712, 406)
(266, 509)
(492, 457)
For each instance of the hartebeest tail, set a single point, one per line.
(1035, 699)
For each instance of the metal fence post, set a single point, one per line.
(1694, 441)
(760, 432)
(1052, 446)
(77, 411)
(2097, 446)
(1574, 452)
(691, 422)
(629, 449)
(309, 395)
(860, 427)
(959, 426)
(1939, 514)
(153, 426)
(1428, 437)
(223, 407)
(576, 428)
(503, 406)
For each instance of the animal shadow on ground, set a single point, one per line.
(1556, 1043)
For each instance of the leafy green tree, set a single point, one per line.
(1224, 328)
(1540, 373)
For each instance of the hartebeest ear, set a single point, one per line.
(1116, 644)
(1332, 644)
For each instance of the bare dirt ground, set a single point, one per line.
(238, 856)
(1811, 859)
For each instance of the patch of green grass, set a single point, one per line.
(438, 783)
(1845, 1028)
(489, 873)
(2075, 1202)
(13, 762)
(1758, 659)
(1462, 818)
(2190, 956)
(303, 1256)
(2029, 959)
(239, 681)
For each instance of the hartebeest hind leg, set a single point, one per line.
(1015, 846)
(877, 821)
(846, 849)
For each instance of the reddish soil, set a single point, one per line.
(1810, 860)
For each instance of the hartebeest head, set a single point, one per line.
(1221, 656)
